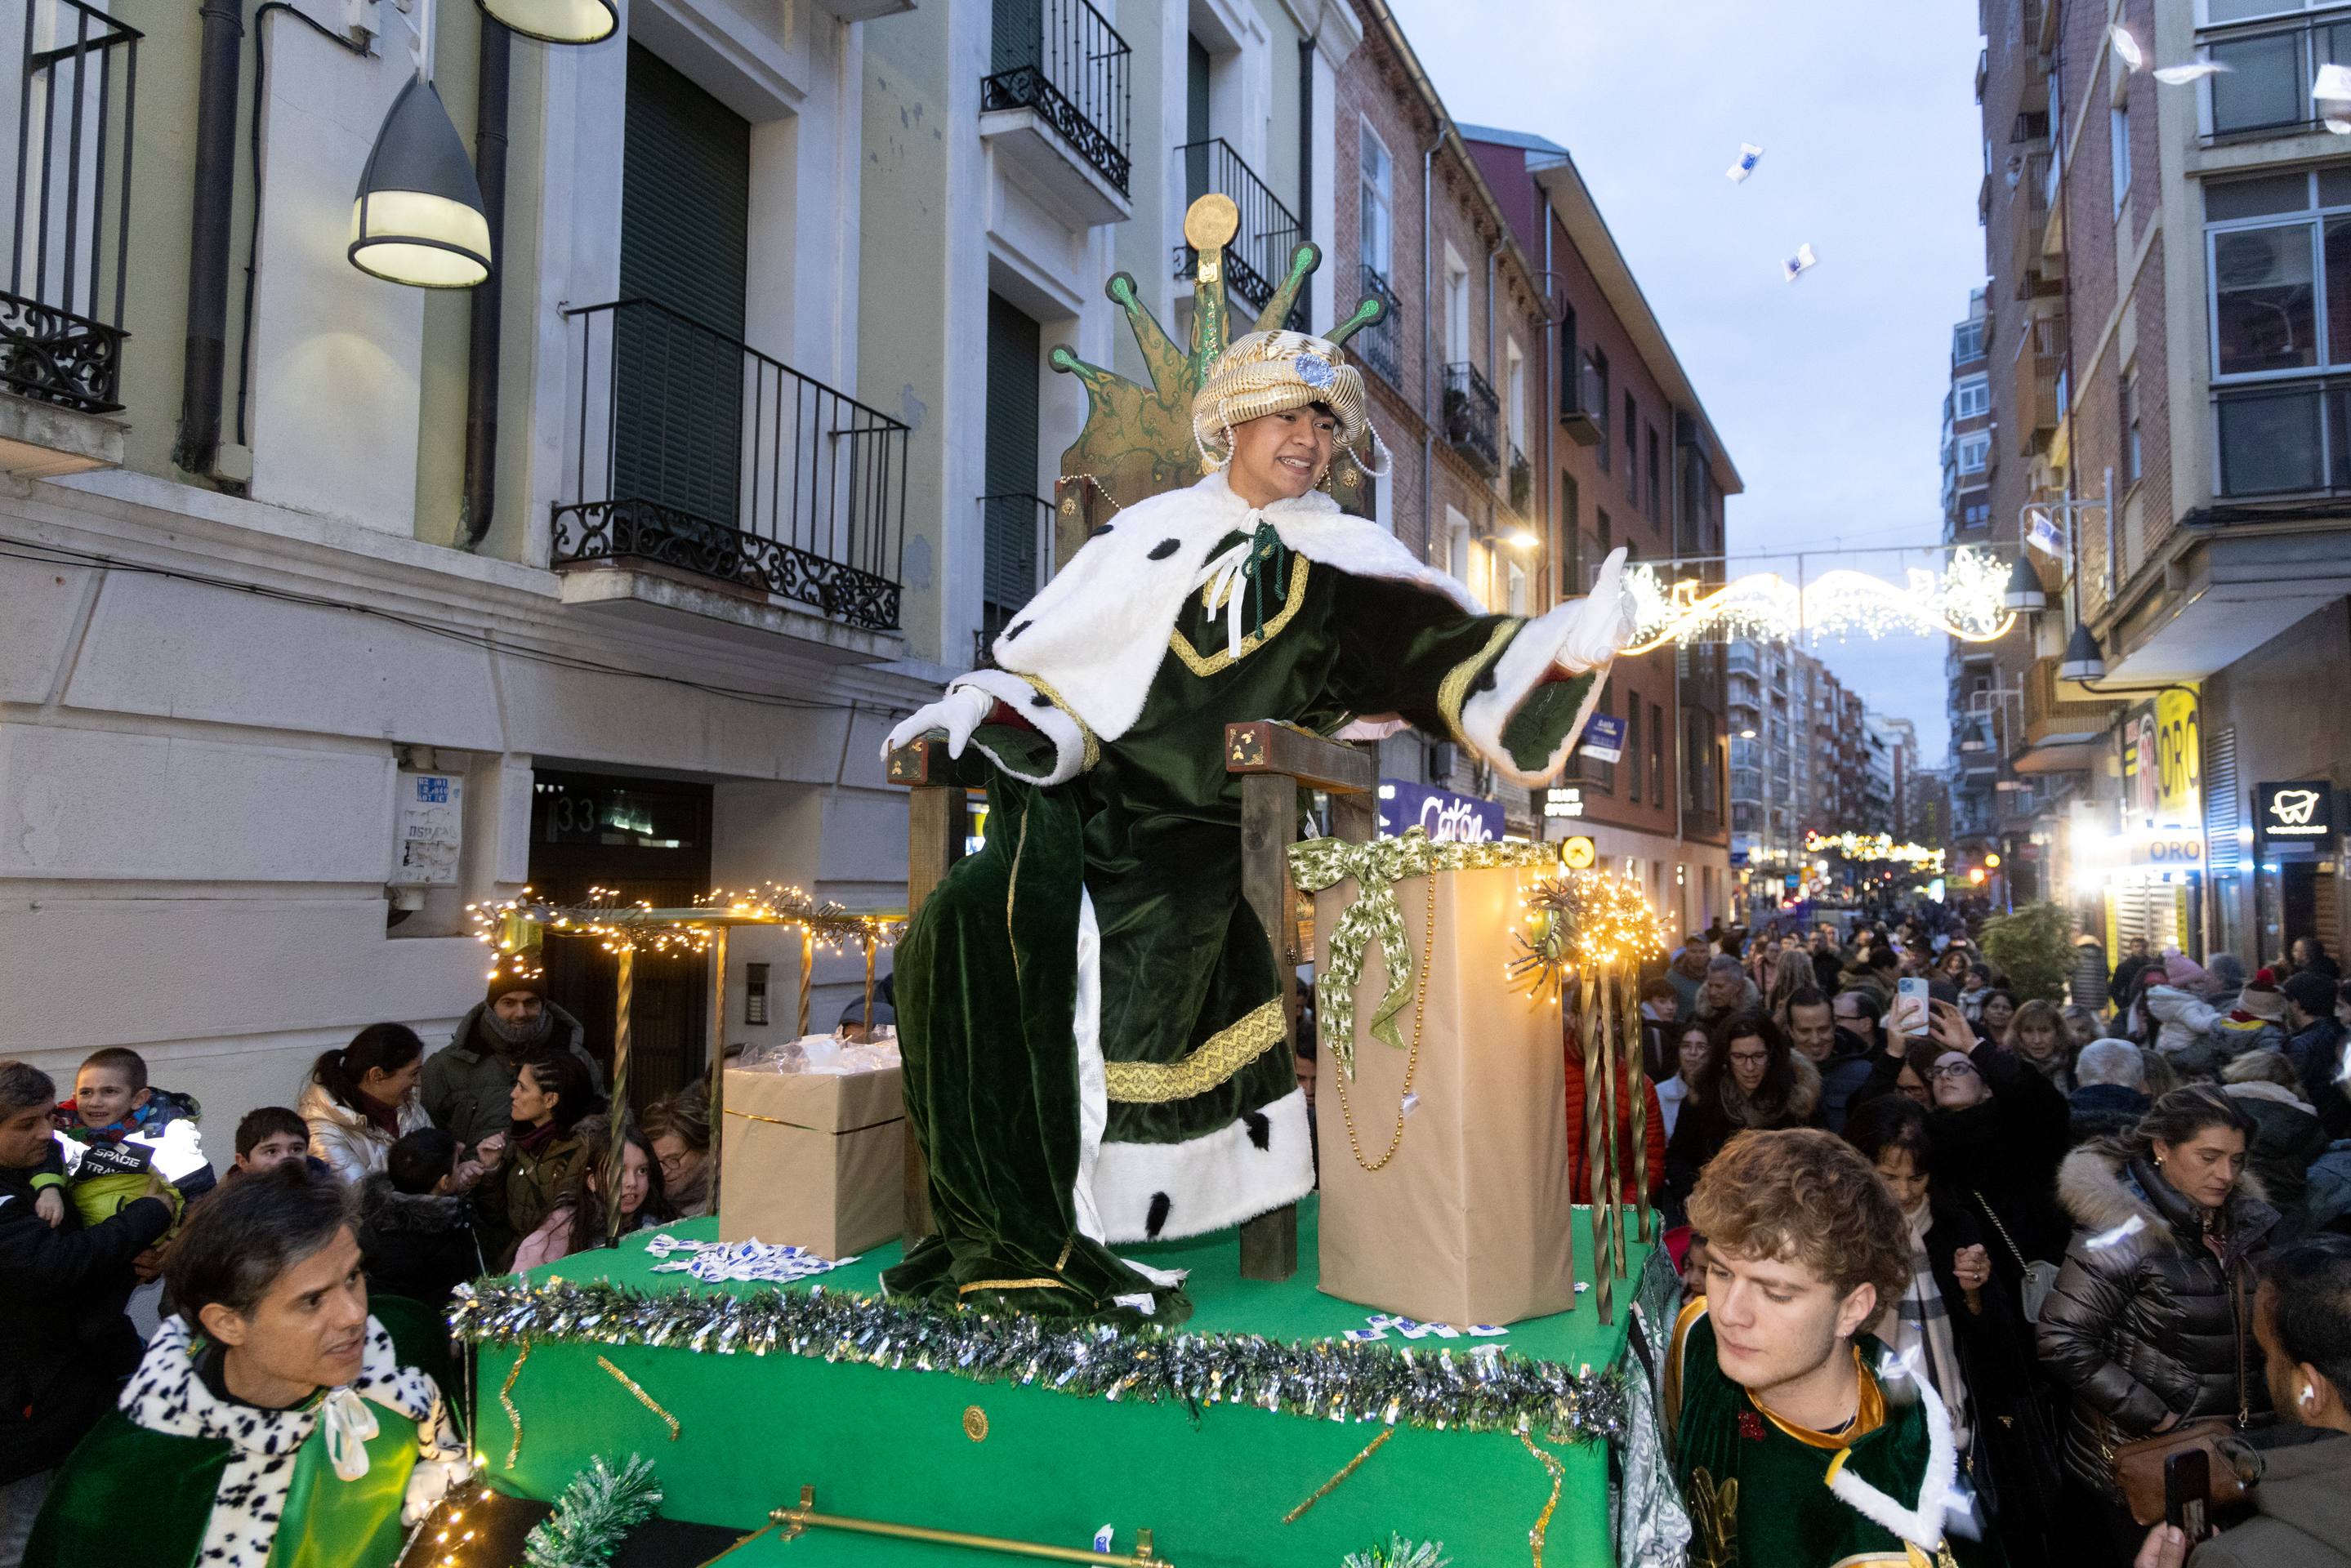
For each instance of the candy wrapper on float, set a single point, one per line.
(1581, 938)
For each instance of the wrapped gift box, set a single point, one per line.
(813, 1159)
(1468, 1222)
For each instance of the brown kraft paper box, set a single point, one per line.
(1469, 1223)
(813, 1159)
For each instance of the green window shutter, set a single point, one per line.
(685, 221)
(1010, 512)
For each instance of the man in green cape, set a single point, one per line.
(1089, 1009)
(271, 1423)
(1797, 1441)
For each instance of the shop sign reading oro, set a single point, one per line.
(1578, 853)
(2299, 812)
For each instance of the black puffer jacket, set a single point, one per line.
(2149, 1319)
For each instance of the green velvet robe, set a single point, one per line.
(1113, 894)
(1759, 1498)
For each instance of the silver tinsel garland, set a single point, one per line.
(1329, 1380)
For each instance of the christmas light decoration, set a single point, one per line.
(1966, 602)
(1874, 847)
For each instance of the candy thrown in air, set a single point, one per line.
(1749, 155)
(2332, 93)
(2194, 71)
(1797, 266)
(2126, 47)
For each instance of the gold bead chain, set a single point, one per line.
(1412, 1062)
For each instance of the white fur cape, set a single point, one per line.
(1077, 660)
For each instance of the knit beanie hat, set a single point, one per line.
(2181, 970)
(2261, 1001)
(510, 977)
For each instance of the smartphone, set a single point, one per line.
(2186, 1487)
(1910, 1006)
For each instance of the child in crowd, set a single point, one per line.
(416, 1229)
(270, 1137)
(112, 1100)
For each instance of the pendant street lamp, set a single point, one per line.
(418, 219)
(556, 21)
(1975, 737)
(2024, 593)
(2082, 660)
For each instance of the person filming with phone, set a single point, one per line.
(2302, 1502)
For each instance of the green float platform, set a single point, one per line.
(1212, 1480)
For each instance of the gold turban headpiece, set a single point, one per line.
(1270, 373)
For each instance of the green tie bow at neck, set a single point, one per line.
(1377, 916)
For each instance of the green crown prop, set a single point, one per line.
(1138, 441)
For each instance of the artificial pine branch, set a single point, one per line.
(593, 1516)
(1398, 1552)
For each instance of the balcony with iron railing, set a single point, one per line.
(2040, 361)
(698, 454)
(61, 332)
(1258, 257)
(1378, 346)
(2027, 221)
(1584, 404)
(1063, 62)
(2263, 87)
(1472, 414)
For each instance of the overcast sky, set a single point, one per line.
(1828, 392)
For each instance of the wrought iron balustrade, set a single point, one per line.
(61, 315)
(1376, 344)
(698, 453)
(1064, 60)
(1259, 257)
(1471, 415)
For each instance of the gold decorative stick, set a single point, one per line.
(1636, 1080)
(1328, 1486)
(647, 1400)
(1595, 1147)
(869, 985)
(626, 952)
(808, 975)
(1609, 1051)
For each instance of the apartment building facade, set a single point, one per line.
(2197, 579)
(1806, 758)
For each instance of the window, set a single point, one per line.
(1657, 473)
(1376, 227)
(2279, 258)
(1971, 397)
(1599, 406)
(1456, 308)
(1657, 753)
(1589, 768)
(1967, 342)
(2118, 137)
(1570, 364)
(1632, 450)
(1606, 544)
(2132, 454)
(1632, 749)
(1571, 533)
(2266, 76)
(1976, 514)
(1975, 452)
(1514, 592)
(1514, 390)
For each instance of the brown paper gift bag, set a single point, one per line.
(1468, 1222)
(813, 1159)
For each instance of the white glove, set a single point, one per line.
(1605, 623)
(428, 1483)
(959, 712)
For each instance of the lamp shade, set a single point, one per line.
(2024, 593)
(418, 218)
(556, 21)
(2082, 660)
(1975, 738)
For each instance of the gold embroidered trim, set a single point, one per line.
(1869, 1414)
(1221, 1055)
(1454, 689)
(1210, 664)
(1011, 1285)
(1086, 736)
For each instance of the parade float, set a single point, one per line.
(1435, 1348)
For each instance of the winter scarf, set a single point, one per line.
(1917, 1329)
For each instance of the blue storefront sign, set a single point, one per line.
(1443, 815)
(1603, 738)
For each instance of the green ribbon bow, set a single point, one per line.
(1377, 916)
(1267, 559)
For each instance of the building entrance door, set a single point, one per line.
(649, 840)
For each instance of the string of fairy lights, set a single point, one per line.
(1874, 848)
(1967, 602)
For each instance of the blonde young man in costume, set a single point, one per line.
(1089, 1009)
(1795, 1437)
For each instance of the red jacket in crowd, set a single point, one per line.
(1579, 1153)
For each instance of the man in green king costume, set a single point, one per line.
(1089, 1009)
(1797, 1441)
(271, 1423)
